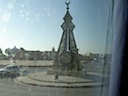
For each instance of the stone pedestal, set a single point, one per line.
(67, 73)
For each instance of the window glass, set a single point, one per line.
(56, 47)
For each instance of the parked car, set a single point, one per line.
(10, 71)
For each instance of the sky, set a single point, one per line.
(36, 24)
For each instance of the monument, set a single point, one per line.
(67, 58)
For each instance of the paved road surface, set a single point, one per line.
(9, 88)
(32, 63)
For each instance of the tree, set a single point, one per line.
(1, 51)
(8, 51)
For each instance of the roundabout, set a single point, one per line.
(44, 80)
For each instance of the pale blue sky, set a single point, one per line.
(35, 24)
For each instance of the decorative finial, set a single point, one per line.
(67, 3)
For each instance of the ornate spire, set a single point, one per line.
(67, 55)
(67, 3)
(67, 17)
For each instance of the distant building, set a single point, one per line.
(35, 55)
(91, 56)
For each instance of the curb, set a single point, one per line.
(25, 81)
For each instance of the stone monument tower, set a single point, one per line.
(67, 58)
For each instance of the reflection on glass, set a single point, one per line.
(61, 47)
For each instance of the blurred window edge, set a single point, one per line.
(118, 76)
